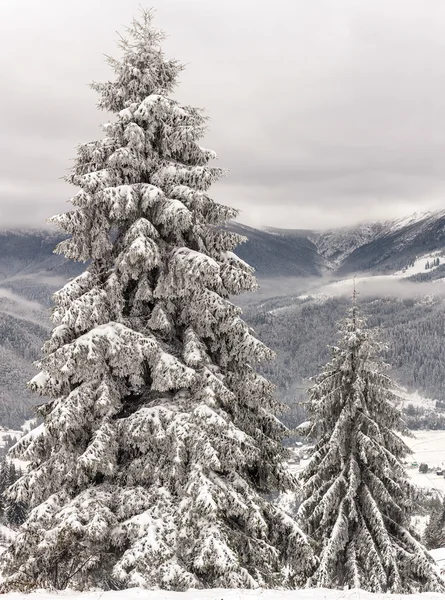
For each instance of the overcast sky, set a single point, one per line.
(327, 112)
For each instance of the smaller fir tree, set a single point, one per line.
(357, 498)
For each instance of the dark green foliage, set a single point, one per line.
(299, 331)
(357, 500)
(12, 513)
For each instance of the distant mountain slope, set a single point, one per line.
(376, 247)
(397, 244)
(379, 247)
(29, 274)
(27, 252)
(23, 327)
(280, 252)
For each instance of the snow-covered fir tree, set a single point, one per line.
(160, 443)
(357, 498)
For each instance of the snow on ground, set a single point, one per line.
(414, 398)
(439, 556)
(219, 594)
(419, 265)
(427, 446)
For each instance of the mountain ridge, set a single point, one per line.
(30, 273)
(379, 246)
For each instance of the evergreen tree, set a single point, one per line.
(434, 535)
(14, 511)
(357, 499)
(160, 445)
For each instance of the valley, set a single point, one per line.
(305, 277)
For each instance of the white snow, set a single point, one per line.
(32, 433)
(8, 533)
(414, 398)
(374, 282)
(419, 522)
(220, 594)
(427, 446)
(418, 266)
(410, 220)
(28, 426)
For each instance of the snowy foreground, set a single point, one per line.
(219, 594)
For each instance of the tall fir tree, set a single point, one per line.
(160, 445)
(357, 499)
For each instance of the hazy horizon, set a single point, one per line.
(49, 227)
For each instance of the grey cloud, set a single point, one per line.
(326, 112)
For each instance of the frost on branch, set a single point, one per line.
(357, 497)
(159, 447)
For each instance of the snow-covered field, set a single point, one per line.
(218, 594)
(415, 399)
(427, 446)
